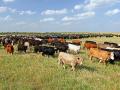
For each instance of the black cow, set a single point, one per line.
(61, 47)
(21, 47)
(114, 45)
(116, 54)
(92, 42)
(49, 51)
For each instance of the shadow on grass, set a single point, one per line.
(82, 67)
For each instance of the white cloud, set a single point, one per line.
(86, 14)
(54, 12)
(28, 12)
(12, 10)
(112, 12)
(6, 1)
(6, 18)
(79, 16)
(66, 18)
(92, 4)
(3, 9)
(47, 19)
(78, 7)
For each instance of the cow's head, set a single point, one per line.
(112, 56)
(79, 60)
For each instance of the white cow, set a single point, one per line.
(38, 39)
(74, 48)
(27, 44)
(69, 59)
(112, 48)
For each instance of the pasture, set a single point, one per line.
(34, 72)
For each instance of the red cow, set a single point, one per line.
(10, 48)
(50, 40)
(76, 41)
(62, 40)
(90, 45)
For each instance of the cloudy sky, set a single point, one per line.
(60, 15)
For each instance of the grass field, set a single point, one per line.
(35, 72)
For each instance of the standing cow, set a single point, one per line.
(9, 48)
(103, 56)
(65, 58)
(74, 48)
(90, 44)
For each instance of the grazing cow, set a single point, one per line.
(21, 47)
(101, 45)
(36, 48)
(116, 55)
(49, 51)
(76, 42)
(112, 45)
(27, 44)
(74, 48)
(6, 41)
(65, 58)
(50, 40)
(90, 44)
(93, 42)
(104, 56)
(61, 47)
(115, 52)
(38, 39)
(10, 48)
(61, 40)
(112, 48)
(39, 49)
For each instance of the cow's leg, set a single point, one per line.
(73, 67)
(59, 61)
(63, 66)
(100, 61)
(42, 54)
(24, 51)
(106, 62)
(90, 57)
(48, 55)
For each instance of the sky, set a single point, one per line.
(59, 15)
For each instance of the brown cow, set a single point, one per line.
(101, 45)
(76, 41)
(104, 56)
(90, 45)
(69, 59)
(10, 48)
(50, 40)
(62, 40)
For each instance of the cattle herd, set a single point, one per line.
(68, 52)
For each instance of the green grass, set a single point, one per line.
(35, 72)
